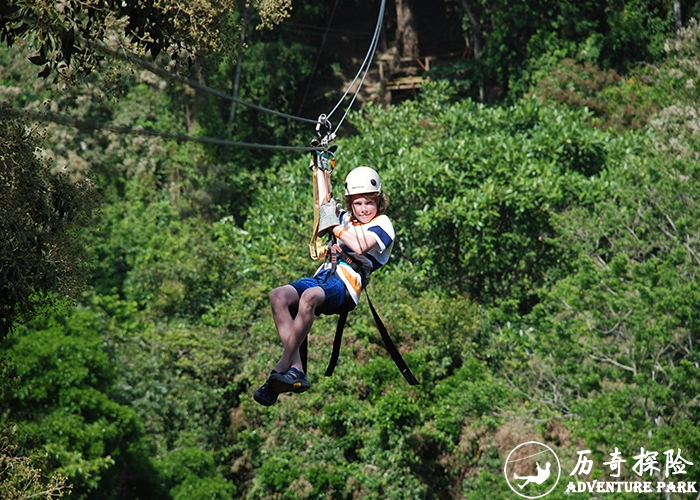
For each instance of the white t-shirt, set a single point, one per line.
(379, 229)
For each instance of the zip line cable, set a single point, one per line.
(153, 68)
(92, 125)
(372, 49)
(125, 56)
(365, 63)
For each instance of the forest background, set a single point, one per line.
(544, 286)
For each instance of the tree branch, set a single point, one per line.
(615, 363)
(690, 250)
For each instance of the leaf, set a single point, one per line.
(38, 59)
(44, 73)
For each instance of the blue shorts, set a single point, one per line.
(332, 286)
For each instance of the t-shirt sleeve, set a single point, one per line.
(383, 231)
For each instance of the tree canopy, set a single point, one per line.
(543, 286)
(55, 29)
(41, 214)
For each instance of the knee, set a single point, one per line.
(311, 299)
(280, 297)
(275, 295)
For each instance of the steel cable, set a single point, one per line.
(92, 125)
(365, 64)
(125, 56)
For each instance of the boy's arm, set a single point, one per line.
(328, 209)
(356, 243)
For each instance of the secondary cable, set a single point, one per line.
(92, 125)
(125, 56)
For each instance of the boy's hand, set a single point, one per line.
(328, 217)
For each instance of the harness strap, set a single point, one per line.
(336, 342)
(391, 347)
(386, 338)
(317, 250)
(357, 267)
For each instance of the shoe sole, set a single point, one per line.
(280, 385)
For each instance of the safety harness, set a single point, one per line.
(342, 316)
(325, 160)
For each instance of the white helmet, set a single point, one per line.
(362, 180)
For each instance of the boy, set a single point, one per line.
(365, 239)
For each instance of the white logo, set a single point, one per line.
(529, 470)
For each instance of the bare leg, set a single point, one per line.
(293, 331)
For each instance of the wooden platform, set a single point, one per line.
(406, 83)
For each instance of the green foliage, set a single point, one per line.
(586, 86)
(138, 254)
(271, 246)
(484, 183)
(628, 308)
(676, 124)
(278, 87)
(613, 344)
(191, 474)
(21, 477)
(179, 379)
(524, 39)
(55, 30)
(41, 214)
(660, 93)
(62, 400)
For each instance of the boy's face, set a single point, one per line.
(364, 208)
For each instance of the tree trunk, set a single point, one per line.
(477, 36)
(406, 33)
(475, 27)
(677, 16)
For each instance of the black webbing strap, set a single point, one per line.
(336, 342)
(388, 343)
(304, 354)
(391, 347)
